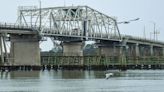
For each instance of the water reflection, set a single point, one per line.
(4, 75)
(24, 74)
(73, 74)
(82, 81)
(79, 74)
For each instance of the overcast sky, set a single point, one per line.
(149, 12)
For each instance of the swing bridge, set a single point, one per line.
(72, 25)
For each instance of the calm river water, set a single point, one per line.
(82, 81)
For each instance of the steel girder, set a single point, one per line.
(72, 21)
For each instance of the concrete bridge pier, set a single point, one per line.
(137, 53)
(1, 52)
(24, 50)
(132, 50)
(144, 50)
(158, 51)
(163, 51)
(151, 50)
(137, 50)
(73, 48)
(108, 48)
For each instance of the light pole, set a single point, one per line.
(123, 47)
(151, 36)
(154, 29)
(155, 32)
(144, 33)
(127, 22)
(40, 14)
(124, 22)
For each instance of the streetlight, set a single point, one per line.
(40, 14)
(124, 22)
(154, 29)
(123, 47)
(155, 32)
(127, 22)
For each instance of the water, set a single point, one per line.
(82, 81)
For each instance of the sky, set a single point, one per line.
(150, 12)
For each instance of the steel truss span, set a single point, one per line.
(72, 21)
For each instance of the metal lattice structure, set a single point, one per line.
(73, 21)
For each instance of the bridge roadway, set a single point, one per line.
(22, 29)
(16, 29)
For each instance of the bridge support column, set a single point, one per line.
(24, 50)
(107, 50)
(73, 49)
(163, 51)
(137, 50)
(130, 49)
(151, 50)
(157, 51)
(1, 52)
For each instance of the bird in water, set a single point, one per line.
(108, 75)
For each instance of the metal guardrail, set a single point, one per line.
(142, 39)
(47, 30)
(16, 26)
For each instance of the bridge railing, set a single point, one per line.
(54, 31)
(16, 26)
(77, 33)
(141, 39)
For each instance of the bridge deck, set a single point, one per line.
(21, 29)
(17, 29)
